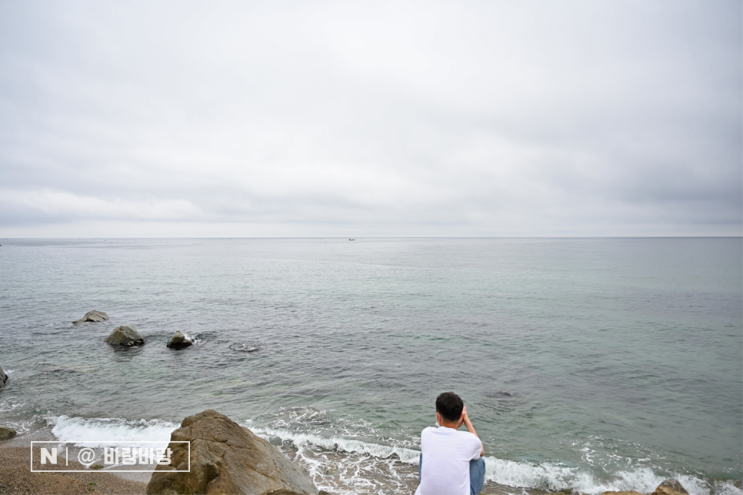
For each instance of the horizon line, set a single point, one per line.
(397, 237)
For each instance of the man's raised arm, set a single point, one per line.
(470, 428)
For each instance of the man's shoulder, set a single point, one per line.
(449, 433)
(470, 437)
(429, 430)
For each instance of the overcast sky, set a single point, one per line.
(314, 118)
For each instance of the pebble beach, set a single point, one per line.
(16, 478)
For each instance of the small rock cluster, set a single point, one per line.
(224, 456)
(127, 335)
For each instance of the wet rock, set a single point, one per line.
(125, 335)
(631, 492)
(178, 341)
(671, 486)
(277, 441)
(94, 315)
(226, 458)
(3, 378)
(6, 433)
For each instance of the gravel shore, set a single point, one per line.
(16, 478)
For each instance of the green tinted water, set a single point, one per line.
(584, 363)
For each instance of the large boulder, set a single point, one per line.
(178, 341)
(3, 378)
(671, 486)
(125, 335)
(94, 315)
(6, 433)
(226, 458)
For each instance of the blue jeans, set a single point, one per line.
(477, 474)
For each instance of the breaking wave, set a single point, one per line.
(111, 431)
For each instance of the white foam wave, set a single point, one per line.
(194, 340)
(517, 474)
(8, 405)
(111, 431)
(525, 475)
(727, 488)
(546, 476)
(406, 455)
(245, 347)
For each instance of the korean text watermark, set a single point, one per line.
(133, 456)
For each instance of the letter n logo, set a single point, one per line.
(49, 456)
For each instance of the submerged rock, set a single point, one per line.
(226, 458)
(6, 433)
(125, 335)
(244, 347)
(48, 373)
(94, 315)
(3, 378)
(178, 341)
(671, 486)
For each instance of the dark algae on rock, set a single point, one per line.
(178, 341)
(6, 433)
(3, 378)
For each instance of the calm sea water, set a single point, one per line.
(585, 364)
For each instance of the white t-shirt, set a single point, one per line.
(446, 461)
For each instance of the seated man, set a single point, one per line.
(453, 459)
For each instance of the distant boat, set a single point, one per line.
(352, 239)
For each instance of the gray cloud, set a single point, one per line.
(413, 118)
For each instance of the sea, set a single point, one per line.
(585, 364)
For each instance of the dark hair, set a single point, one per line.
(450, 406)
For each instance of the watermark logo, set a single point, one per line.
(86, 456)
(134, 456)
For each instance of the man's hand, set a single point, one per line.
(462, 417)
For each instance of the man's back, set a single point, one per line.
(446, 454)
